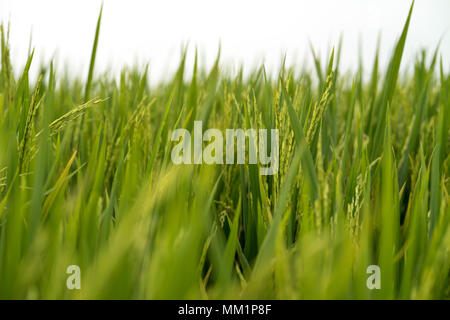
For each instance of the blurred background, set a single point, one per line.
(249, 32)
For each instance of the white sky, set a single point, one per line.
(248, 30)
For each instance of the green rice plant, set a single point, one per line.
(86, 179)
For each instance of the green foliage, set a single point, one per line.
(86, 179)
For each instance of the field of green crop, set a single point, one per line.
(86, 179)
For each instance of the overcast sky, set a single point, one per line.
(249, 31)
